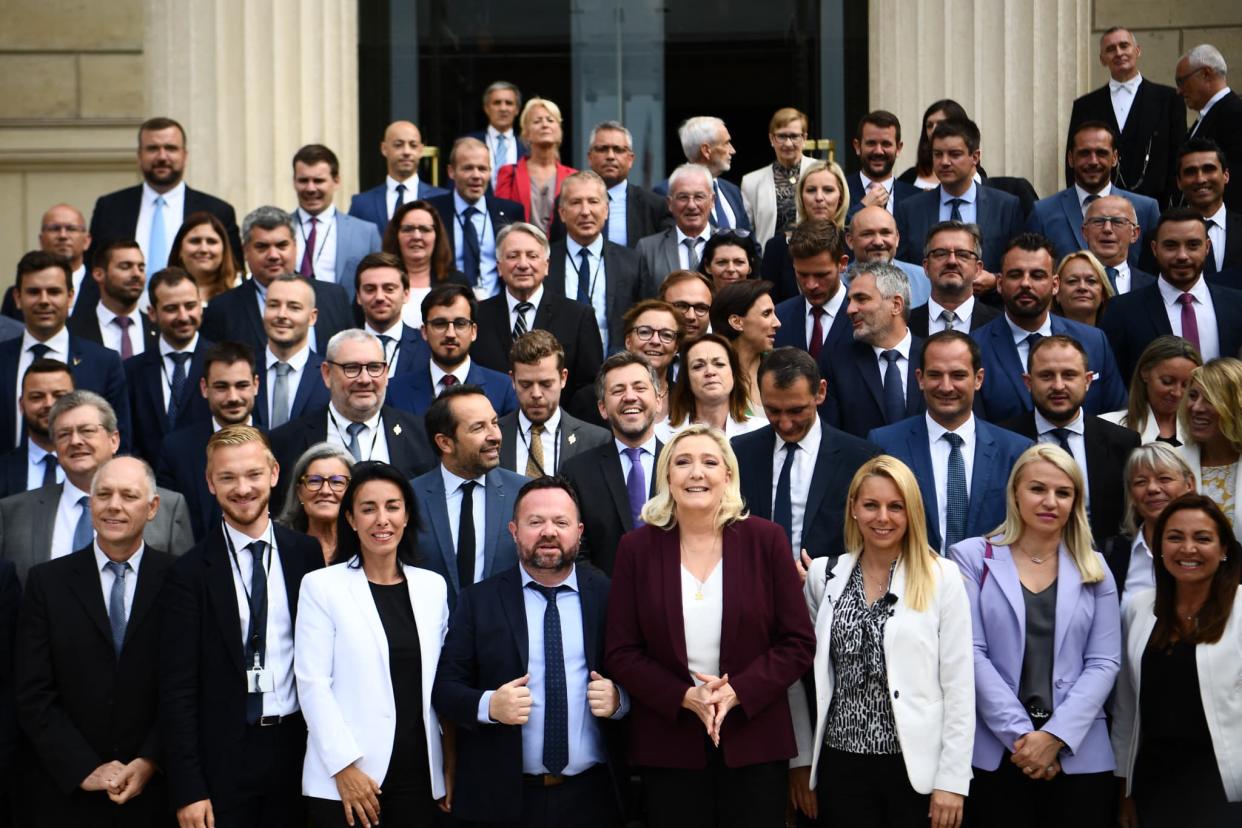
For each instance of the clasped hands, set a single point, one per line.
(122, 782)
(1036, 754)
(711, 701)
(511, 702)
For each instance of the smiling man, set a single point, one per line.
(1202, 79)
(877, 143)
(1202, 176)
(382, 288)
(402, 148)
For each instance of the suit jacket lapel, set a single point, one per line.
(919, 452)
(360, 592)
(759, 477)
(509, 438)
(292, 569)
(44, 514)
(433, 487)
(672, 260)
(514, 605)
(610, 284)
(307, 383)
(1156, 314)
(555, 281)
(219, 567)
(615, 481)
(85, 585)
(669, 568)
(869, 370)
(1097, 458)
(495, 519)
(249, 297)
(395, 438)
(150, 579)
(1001, 568)
(824, 464)
(1007, 353)
(1073, 214)
(1069, 590)
(982, 470)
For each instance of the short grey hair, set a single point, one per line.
(267, 217)
(1206, 55)
(1156, 456)
(502, 86)
(585, 177)
(296, 279)
(890, 281)
(293, 515)
(954, 226)
(691, 169)
(349, 335)
(77, 399)
(527, 228)
(696, 131)
(147, 472)
(615, 125)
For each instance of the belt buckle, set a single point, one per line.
(270, 721)
(551, 780)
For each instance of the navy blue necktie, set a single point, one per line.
(584, 277)
(256, 638)
(894, 392)
(39, 350)
(1062, 437)
(49, 469)
(1112, 272)
(400, 198)
(955, 214)
(722, 218)
(556, 701)
(957, 501)
(782, 504)
(1030, 341)
(176, 387)
(473, 251)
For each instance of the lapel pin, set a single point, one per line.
(396, 429)
(573, 438)
(77, 360)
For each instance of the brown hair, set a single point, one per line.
(441, 251)
(682, 403)
(536, 345)
(224, 277)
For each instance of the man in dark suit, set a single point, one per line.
(588, 268)
(815, 320)
(1202, 81)
(402, 148)
(62, 231)
(115, 321)
(88, 668)
(163, 380)
(955, 154)
(10, 600)
(289, 374)
(531, 751)
(1092, 154)
(466, 497)
(228, 385)
(34, 463)
(1027, 284)
(618, 476)
(541, 436)
(1210, 315)
(962, 463)
(872, 379)
(1058, 379)
(43, 294)
(1111, 229)
(472, 216)
(705, 140)
(797, 469)
(501, 103)
(877, 143)
(1149, 118)
(271, 250)
(355, 418)
(234, 738)
(1202, 177)
(152, 212)
(680, 247)
(449, 330)
(952, 259)
(382, 288)
(525, 305)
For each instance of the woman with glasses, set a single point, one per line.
(535, 180)
(768, 192)
(728, 257)
(313, 503)
(707, 390)
(653, 329)
(202, 248)
(1157, 390)
(922, 175)
(417, 237)
(1083, 289)
(821, 194)
(745, 314)
(690, 293)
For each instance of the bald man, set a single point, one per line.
(402, 149)
(62, 231)
(1110, 228)
(872, 237)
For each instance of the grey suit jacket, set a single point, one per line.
(27, 521)
(355, 238)
(659, 252)
(577, 436)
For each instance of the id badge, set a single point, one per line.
(260, 681)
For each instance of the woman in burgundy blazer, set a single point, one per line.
(522, 182)
(707, 633)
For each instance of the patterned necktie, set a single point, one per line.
(957, 501)
(782, 504)
(280, 394)
(308, 257)
(447, 381)
(157, 242)
(556, 697)
(534, 457)
(177, 386)
(636, 486)
(256, 637)
(116, 603)
(1190, 323)
(519, 325)
(894, 393)
(692, 255)
(816, 345)
(949, 318)
(502, 155)
(465, 537)
(472, 253)
(955, 214)
(721, 217)
(83, 532)
(127, 347)
(584, 277)
(354, 429)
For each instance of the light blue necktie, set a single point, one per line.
(354, 430)
(84, 532)
(957, 501)
(502, 152)
(157, 247)
(116, 603)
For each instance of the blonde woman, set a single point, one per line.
(705, 616)
(821, 194)
(1047, 632)
(535, 180)
(1211, 416)
(1157, 389)
(1083, 289)
(893, 669)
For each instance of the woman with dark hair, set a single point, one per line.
(728, 257)
(1157, 389)
(922, 175)
(1177, 712)
(202, 248)
(374, 744)
(745, 314)
(708, 391)
(416, 236)
(313, 502)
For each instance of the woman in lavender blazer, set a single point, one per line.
(1047, 633)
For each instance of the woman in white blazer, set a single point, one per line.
(368, 638)
(1212, 418)
(894, 669)
(768, 192)
(1177, 709)
(1157, 389)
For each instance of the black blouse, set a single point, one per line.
(408, 770)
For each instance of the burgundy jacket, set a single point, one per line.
(766, 645)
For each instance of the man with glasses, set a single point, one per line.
(769, 192)
(952, 257)
(289, 384)
(680, 247)
(381, 289)
(1202, 176)
(356, 417)
(690, 293)
(62, 232)
(449, 330)
(1111, 230)
(1202, 78)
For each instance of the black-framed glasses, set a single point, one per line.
(645, 332)
(939, 254)
(699, 308)
(352, 369)
(789, 137)
(1117, 222)
(336, 482)
(461, 324)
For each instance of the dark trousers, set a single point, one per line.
(269, 790)
(396, 811)
(752, 796)
(586, 800)
(1007, 797)
(867, 789)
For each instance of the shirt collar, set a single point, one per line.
(963, 311)
(324, 217)
(371, 422)
(460, 204)
(832, 306)
(215, 426)
(492, 132)
(1132, 84)
(549, 426)
(902, 347)
(705, 235)
(1083, 195)
(1138, 543)
(534, 299)
(1170, 293)
(166, 349)
(809, 442)
(58, 342)
(1218, 217)
(411, 185)
(71, 493)
(596, 247)
(395, 332)
(935, 431)
(241, 540)
(969, 196)
(1020, 334)
(1212, 100)
(149, 195)
(617, 191)
(35, 452)
(298, 360)
(102, 560)
(452, 482)
(106, 315)
(649, 447)
(461, 371)
(1043, 425)
(570, 582)
(868, 181)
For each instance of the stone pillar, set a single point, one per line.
(251, 82)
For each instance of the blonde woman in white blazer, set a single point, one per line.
(1182, 665)
(759, 187)
(925, 704)
(1211, 415)
(368, 641)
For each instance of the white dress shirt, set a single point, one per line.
(168, 366)
(799, 476)
(390, 192)
(174, 213)
(831, 308)
(968, 209)
(1216, 233)
(77, 276)
(1077, 442)
(1142, 572)
(67, 514)
(58, 345)
(323, 257)
(460, 371)
(513, 302)
(1020, 334)
(963, 312)
(35, 467)
(618, 219)
(598, 300)
(903, 364)
(278, 639)
(478, 503)
(1122, 94)
(392, 349)
(110, 332)
(868, 184)
(682, 256)
(1207, 107)
(1124, 284)
(723, 203)
(106, 578)
(702, 608)
(372, 442)
(940, 450)
(1083, 195)
(298, 363)
(1205, 315)
(549, 438)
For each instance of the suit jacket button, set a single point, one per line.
(896, 694)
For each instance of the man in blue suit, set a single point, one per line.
(1092, 155)
(330, 243)
(955, 155)
(44, 292)
(467, 500)
(382, 288)
(705, 140)
(449, 328)
(962, 463)
(1112, 231)
(816, 320)
(402, 149)
(289, 371)
(877, 143)
(1027, 284)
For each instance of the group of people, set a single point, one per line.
(553, 501)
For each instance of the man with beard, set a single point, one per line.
(962, 463)
(382, 287)
(115, 321)
(1111, 229)
(1202, 177)
(289, 383)
(234, 737)
(163, 380)
(449, 329)
(872, 236)
(1027, 284)
(355, 417)
(877, 143)
(1058, 376)
(534, 744)
(815, 320)
(463, 500)
(228, 385)
(952, 257)
(617, 477)
(33, 463)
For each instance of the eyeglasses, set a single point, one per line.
(352, 369)
(411, 229)
(645, 332)
(789, 137)
(1181, 79)
(460, 324)
(57, 229)
(940, 254)
(86, 432)
(336, 482)
(1117, 222)
(699, 308)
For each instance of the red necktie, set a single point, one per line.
(308, 258)
(1190, 324)
(817, 331)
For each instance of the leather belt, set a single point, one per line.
(544, 780)
(272, 721)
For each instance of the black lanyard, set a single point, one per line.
(253, 639)
(379, 425)
(556, 448)
(599, 263)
